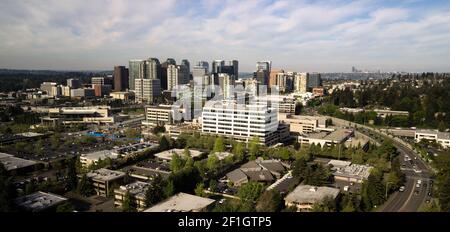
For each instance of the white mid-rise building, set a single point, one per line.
(442, 138)
(239, 121)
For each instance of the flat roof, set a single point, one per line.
(104, 174)
(167, 155)
(182, 202)
(354, 171)
(103, 154)
(339, 163)
(439, 134)
(137, 188)
(311, 194)
(337, 135)
(39, 201)
(11, 162)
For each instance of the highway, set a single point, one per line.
(415, 169)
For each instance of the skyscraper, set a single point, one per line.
(262, 76)
(136, 71)
(152, 69)
(264, 65)
(314, 80)
(187, 64)
(273, 77)
(301, 82)
(121, 82)
(230, 67)
(176, 75)
(199, 71)
(147, 90)
(226, 83)
(73, 83)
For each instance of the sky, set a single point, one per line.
(296, 35)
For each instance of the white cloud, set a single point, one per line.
(300, 35)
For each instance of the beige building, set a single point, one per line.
(303, 124)
(104, 179)
(305, 196)
(79, 115)
(336, 137)
(182, 202)
(137, 193)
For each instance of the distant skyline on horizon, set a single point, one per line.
(296, 35)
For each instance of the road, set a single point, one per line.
(416, 169)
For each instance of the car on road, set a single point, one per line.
(429, 194)
(401, 189)
(416, 192)
(419, 181)
(417, 185)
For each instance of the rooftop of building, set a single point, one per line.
(337, 135)
(354, 170)
(39, 201)
(182, 202)
(356, 141)
(137, 188)
(103, 154)
(439, 134)
(104, 174)
(11, 162)
(167, 155)
(311, 194)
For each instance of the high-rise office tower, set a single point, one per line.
(230, 67)
(121, 82)
(147, 90)
(262, 76)
(152, 69)
(171, 61)
(186, 63)
(73, 83)
(226, 83)
(199, 71)
(314, 80)
(176, 75)
(273, 77)
(301, 82)
(136, 71)
(264, 65)
(101, 81)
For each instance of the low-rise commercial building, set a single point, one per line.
(16, 165)
(336, 137)
(136, 190)
(442, 138)
(354, 173)
(92, 158)
(124, 96)
(182, 202)
(79, 115)
(304, 124)
(167, 155)
(39, 202)
(305, 196)
(103, 180)
(384, 113)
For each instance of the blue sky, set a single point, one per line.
(297, 35)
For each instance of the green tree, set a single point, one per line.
(55, 141)
(39, 148)
(254, 148)
(328, 204)
(65, 207)
(269, 201)
(250, 191)
(219, 145)
(213, 185)
(85, 187)
(200, 190)
(212, 164)
(177, 162)
(155, 192)
(71, 174)
(164, 143)
(128, 205)
(239, 151)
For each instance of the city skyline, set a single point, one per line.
(319, 36)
